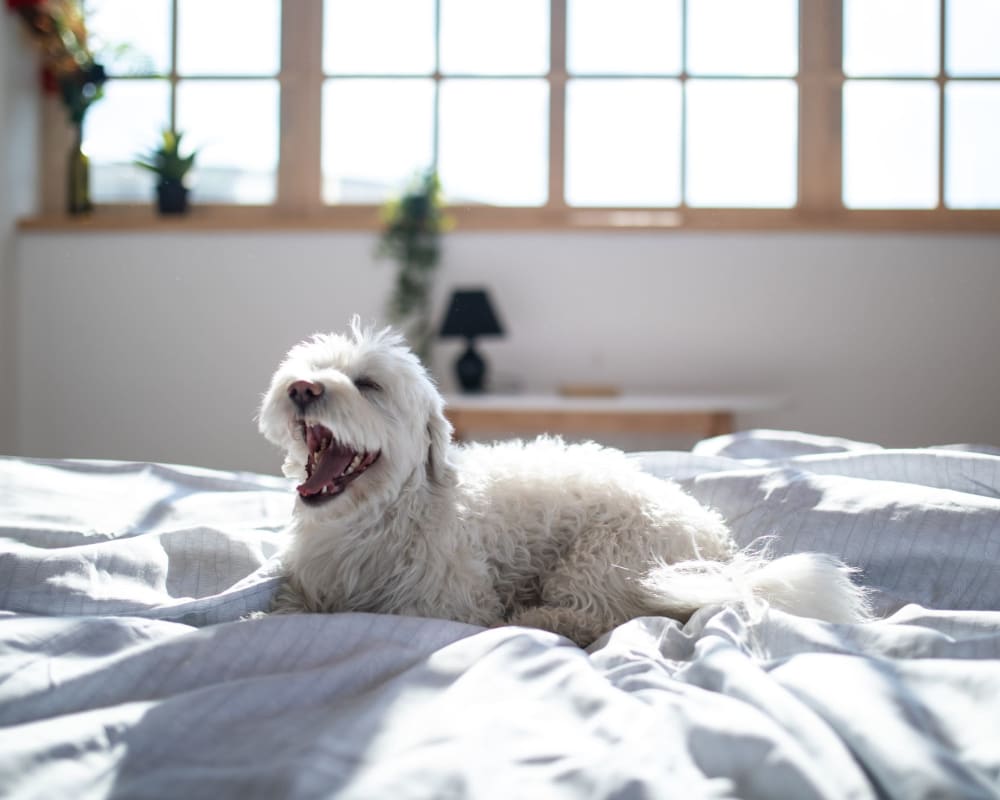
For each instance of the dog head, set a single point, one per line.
(358, 416)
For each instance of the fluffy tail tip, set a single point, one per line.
(805, 584)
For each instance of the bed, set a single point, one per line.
(131, 664)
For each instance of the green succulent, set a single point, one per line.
(166, 160)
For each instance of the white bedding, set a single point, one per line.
(125, 670)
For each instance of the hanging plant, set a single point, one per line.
(59, 31)
(414, 223)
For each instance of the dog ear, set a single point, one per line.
(439, 432)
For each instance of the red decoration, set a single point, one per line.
(59, 31)
(50, 84)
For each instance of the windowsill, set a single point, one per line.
(145, 219)
(217, 218)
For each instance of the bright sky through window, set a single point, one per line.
(663, 103)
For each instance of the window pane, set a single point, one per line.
(494, 141)
(890, 144)
(972, 140)
(623, 143)
(376, 135)
(742, 143)
(743, 37)
(486, 37)
(234, 125)
(615, 37)
(973, 29)
(891, 37)
(142, 28)
(378, 37)
(208, 42)
(126, 123)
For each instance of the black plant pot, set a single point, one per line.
(171, 197)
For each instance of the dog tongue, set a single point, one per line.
(332, 462)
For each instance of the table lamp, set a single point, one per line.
(470, 314)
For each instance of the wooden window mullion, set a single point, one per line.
(942, 82)
(172, 75)
(558, 77)
(437, 76)
(684, 79)
(300, 119)
(820, 106)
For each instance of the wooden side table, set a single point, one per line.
(702, 416)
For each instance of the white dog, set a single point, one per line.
(575, 539)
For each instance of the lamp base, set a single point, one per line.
(471, 370)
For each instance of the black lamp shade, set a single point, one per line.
(470, 314)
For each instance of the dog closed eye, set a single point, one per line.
(366, 384)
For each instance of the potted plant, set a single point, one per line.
(171, 167)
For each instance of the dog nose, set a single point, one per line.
(304, 393)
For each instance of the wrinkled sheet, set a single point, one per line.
(127, 671)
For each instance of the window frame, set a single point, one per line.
(298, 200)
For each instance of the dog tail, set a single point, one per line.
(805, 584)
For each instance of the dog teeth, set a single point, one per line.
(355, 463)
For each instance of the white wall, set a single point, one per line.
(18, 180)
(157, 347)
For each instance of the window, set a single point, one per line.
(176, 71)
(701, 113)
(454, 93)
(921, 116)
(698, 109)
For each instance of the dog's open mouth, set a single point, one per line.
(331, 465)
